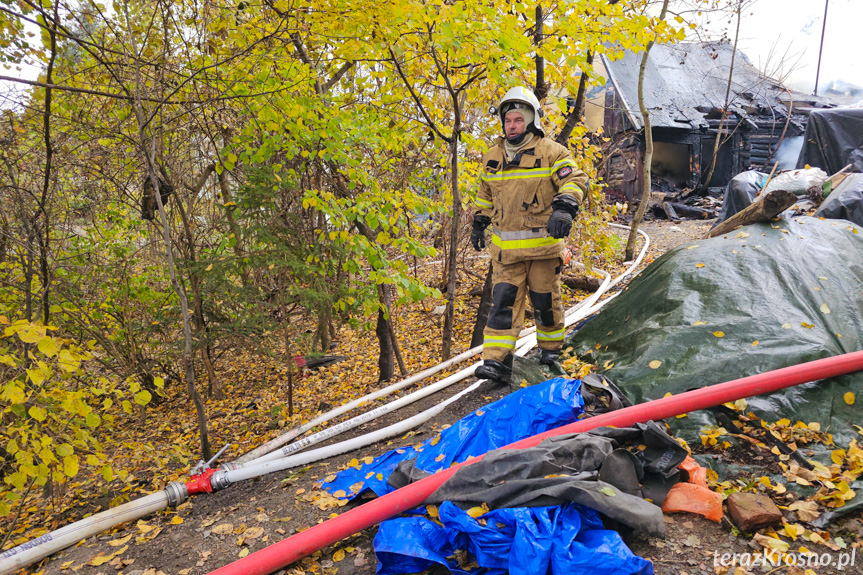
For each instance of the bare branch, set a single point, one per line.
(416, 99)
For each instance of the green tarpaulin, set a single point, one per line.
(760, 298)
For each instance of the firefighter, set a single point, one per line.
(530, 190)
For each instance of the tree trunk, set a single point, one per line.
(476, 337)
(289, 359)
(188, 368)
(446, 347)
(386, 300)
(648, 152)
(213, 388)
(540, 89)
(386, 366)
(577, 113)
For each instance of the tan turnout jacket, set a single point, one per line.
(517, 196)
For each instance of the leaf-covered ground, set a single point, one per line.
(212, 530)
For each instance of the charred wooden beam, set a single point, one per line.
(692, 211)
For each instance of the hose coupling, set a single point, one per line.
(220, 480)
(177, 493)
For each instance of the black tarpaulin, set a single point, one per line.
(579, 468)
(833, 139)
(741, 191)
(845, 202)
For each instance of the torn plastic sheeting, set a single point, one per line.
(798, 182)
(521, 414)
(758, 299)
(567, 539)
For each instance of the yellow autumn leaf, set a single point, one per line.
(329, 478)
(655, 364)
(224, 529)
(849, 398)
(340, 493)
(772, 542)
(719, 333)
(339, 555)
(176, 520)
(699, 265)
(806, 325)
(99, 560)
(475, 512)
(700, 323)
(440, 457)
(48, 346)
(208, 268)
(786, 326)
(243, 552)
(118, 542)
(824, 308)
(754, 343)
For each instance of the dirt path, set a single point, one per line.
(210, 531)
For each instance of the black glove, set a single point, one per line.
(477, 234)
(559, 224)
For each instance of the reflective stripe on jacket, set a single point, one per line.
(517, 196)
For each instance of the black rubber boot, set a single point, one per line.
(494, 371)
(549, 356)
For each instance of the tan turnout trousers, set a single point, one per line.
(537, 279)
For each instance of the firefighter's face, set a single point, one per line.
(513, 124)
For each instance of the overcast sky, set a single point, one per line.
(796, 25)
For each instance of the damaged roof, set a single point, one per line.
(684, 82)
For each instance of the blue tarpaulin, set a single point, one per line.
(561, 540)
(521, 414)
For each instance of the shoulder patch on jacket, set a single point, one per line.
(564, 171)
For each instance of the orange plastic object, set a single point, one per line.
(691, 498)
(697, 474)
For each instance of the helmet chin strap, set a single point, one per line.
(516, 139)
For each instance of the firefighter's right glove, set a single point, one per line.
(559, 224)
(477, 234)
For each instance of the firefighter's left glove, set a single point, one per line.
(477, 234)
(559, 224)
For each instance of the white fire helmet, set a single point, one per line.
(521, 97)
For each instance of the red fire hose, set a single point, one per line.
(282, 554)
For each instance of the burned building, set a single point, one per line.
(685, 92)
